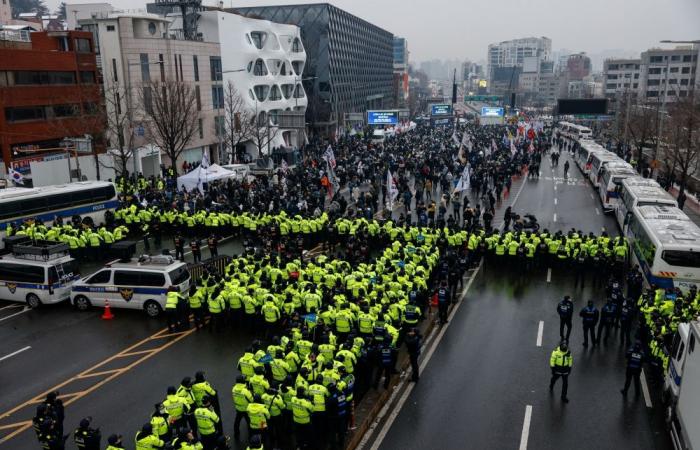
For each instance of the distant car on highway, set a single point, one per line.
(137, 284)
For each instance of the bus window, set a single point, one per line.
(681, 258)
(21, 273)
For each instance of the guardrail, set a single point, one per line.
(15, 35)
(217, 263)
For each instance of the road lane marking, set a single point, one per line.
(22, 426)
(555, 200)
(645, 390)
(540, 329)
(592, 197)
(26, 309)
(549, 275)
(12, 306)
(526, 428)
(597, 212)
(424, 362)
(555, 217)
(555, 187)
(15, 353)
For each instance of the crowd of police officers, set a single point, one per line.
(328, 330)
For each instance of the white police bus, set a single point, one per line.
(611, 185)
(636, 192)
(85, 198)
(666, 245)
(574, 131)
(585, 155)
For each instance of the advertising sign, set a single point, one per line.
(488, 111)
(390, 117)
(441, 110)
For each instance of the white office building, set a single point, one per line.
(620, 75)
(506, 59)
(264, 61)
(669, 74)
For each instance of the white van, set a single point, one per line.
(137, 284)
(37, 279)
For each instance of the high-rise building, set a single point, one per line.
(620, 76)
(401, 86)
(48, 91)
(349, 67)
(669, 74)
(507, 58)
(578, 66)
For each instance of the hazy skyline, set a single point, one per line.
(443, 29)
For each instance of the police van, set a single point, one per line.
(37, 273)
(135, 284)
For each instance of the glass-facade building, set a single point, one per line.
(349, 66)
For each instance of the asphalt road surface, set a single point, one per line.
(486, 385)
(474, 392)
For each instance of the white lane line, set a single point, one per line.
(555, 188)
(12, 306)
(402, 400)
(526, 428)
(540, 329)
(592, 197)
(555, 217)
(555, 200)
(549, 275)
(15, 353)
(645, 390)
(26, 309)
(597, 212)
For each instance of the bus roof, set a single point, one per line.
(659, 212)
(621, 171)
(640, 181)
(15, 192)
(645, 192)
(673, 232)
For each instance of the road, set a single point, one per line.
(476, 387)
(491, 369)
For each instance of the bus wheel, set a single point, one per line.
(152, 308)
(82, 303)
(33, 301)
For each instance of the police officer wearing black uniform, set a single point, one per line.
(213, 244)
(444, 299)
(413, 345)
(590, 316)
(195, 246)
(635, 358)
(85, 437)
(179, 246)
(565, 309)
(607, 319)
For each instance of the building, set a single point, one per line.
(349, 64)
(506, 60)
(578, 66)
(5, 12)
(548, 88)
(669, 74)
(401, 85)
(264, 62)
(619, 77)
(138, 49)
(48, 91)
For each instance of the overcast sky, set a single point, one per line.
(448, 29)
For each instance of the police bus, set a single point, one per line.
(611, 185)
(585, 153)
(86, 198)
(598, 161)
(574, 131)
(37, 274)
(636, 192)
(666, 245)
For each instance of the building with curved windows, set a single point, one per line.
(264, 61)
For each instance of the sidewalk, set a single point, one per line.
(691, 206)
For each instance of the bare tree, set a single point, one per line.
(263, 132)
(170, 108)
(642, 125)
(118, 126)
(239, 121)
(682, 137)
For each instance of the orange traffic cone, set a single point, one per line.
(107, 315)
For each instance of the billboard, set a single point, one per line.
(488, 111)
(444, 109)
(582, 106)
(390, 117)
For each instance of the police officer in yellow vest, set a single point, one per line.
(560, 363)
(172, 299)
(208, 424)
(146, 440)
